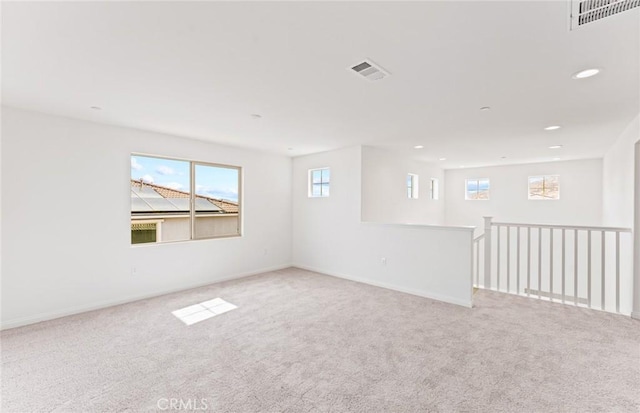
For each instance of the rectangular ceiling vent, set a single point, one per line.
(588, 11)
(370, 70)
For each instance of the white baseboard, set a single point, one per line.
(636, 315)
(419, 293)
(23, 321)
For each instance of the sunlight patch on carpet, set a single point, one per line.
(203, 311)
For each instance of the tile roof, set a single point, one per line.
(225, 206)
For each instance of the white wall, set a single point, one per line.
(636, 246)
(328, 237)
(384, 189)
(620, 181)
(580, 200)
(617, 189)
(66, 218)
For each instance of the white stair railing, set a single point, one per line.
(478, 245)
(579, 265)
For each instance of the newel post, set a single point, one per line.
(487, 252)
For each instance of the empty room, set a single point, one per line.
(320, 206)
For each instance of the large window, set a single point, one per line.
(319, 181)
(477, 189)
(412, 186)
(544, 187)
(176, 200)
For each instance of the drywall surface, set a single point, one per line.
(66, 218)
(636, 240)
(329, 237)
(384, 189)
(621, 202)
(580, 200)
(618, 179)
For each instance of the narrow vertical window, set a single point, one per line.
(319, 182)
(434, 189)
(412, 186)
(477, 189)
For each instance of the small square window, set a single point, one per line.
(477, 189)
(545, 187)
(412, 186)
(319, 181)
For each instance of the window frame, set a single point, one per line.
(192, 197)
(413, 186)
(310, 182)
(477, 180)
(434, 189)
(543, 181)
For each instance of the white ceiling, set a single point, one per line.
(201, 69)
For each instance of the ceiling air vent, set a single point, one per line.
(370, 70)
(588, 11)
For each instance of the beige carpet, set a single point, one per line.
(301, 342)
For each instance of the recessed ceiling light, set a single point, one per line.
(586, 73)
(442, 159)
(461, 166)
(256, 116)
(555, 147)
(554, 127)
(96, 108)
(485, 108)
(418, 147)
(556, 159)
